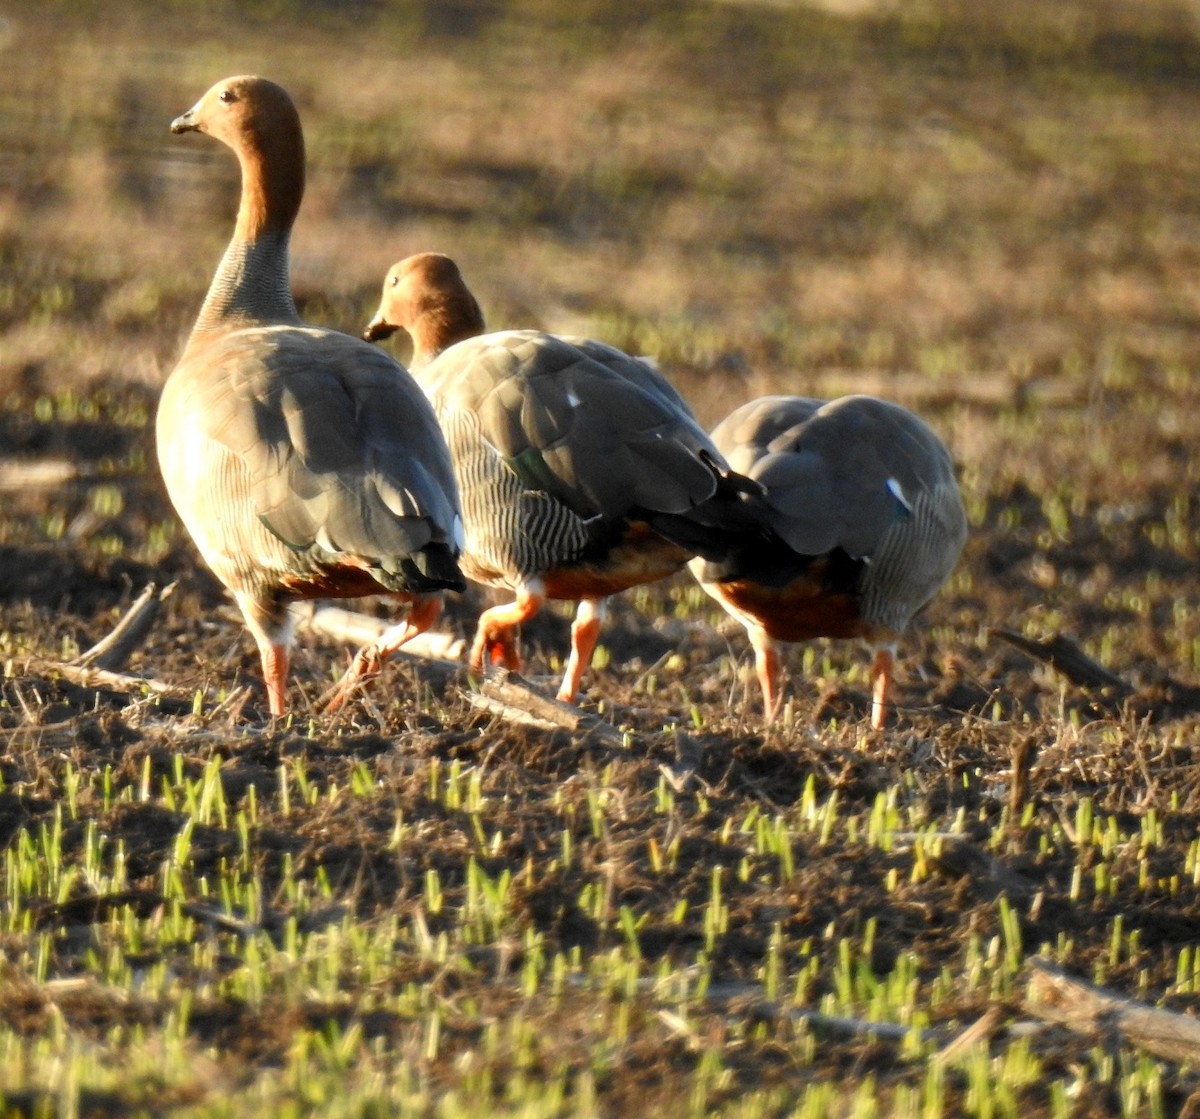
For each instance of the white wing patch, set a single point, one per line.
(897, 491)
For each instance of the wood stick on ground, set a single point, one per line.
(507, 695)
(18, 474)
(25, 474)
(113, 652)
(979, 1031)
(1023, 754)
(97, 667)
(516, 701)
(338, 624)
(1055, 996)
(90, 677)
(1064, 656)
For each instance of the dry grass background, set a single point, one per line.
(992, 217)
(990, 213)
(761, 195)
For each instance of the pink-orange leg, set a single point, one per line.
(275, 670)
(270, 623)
(371, 658)
(766, 666)
(882, 673)
(495, 640)
(585, 632)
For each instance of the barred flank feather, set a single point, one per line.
(581, 469)
(863, 523)
(304, 462)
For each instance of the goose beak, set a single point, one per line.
(378, 329)
(186, 122)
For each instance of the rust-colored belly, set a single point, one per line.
(641, 556)
(803, 609)
(346, 580)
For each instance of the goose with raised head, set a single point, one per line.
(582, 471)
(865, 524)
(304, 462)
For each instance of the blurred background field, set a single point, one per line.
(988, 212)
(755, 190)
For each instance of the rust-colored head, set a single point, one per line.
(426, 296)
(257, 119)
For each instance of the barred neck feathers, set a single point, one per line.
(250, 288)
(426, 296)
(258, 120)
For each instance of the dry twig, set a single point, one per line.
(89, 677)
(112, 652)
(25, 474)
(1063, 655)
(1055, 996)
(515, 701)
(338, 624)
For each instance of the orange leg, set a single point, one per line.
(494, 639)
(270, 623)
(275, 670)
(371, 658)
(882, 673)
(585, 632)
(505, 651)
(766, 665)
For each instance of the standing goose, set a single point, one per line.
(304, 463)
(582, 471)
(867, 523)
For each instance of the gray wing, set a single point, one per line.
(341, 449)
(600, 431)
(845, 473)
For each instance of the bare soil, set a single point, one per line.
(976, 717)
(987, 213)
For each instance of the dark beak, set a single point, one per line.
(186, 122)
(378, 329)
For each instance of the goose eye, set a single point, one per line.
(395, 280)
(227, 95)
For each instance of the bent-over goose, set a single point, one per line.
(582, 471)
(305, 463)
(866, 524)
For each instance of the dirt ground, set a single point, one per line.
(986, 213)
(982, 729)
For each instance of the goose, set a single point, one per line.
(582, 471)
(866, 524)
(303, 462)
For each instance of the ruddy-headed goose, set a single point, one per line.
(304, 462)
(582, 471)
(867, 524)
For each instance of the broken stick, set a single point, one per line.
(112, 652)
(516, 701)
(1055, 996)
(354, 628)
(1063, 655)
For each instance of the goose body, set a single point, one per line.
(865, 524)
(304, 462)
(582, 471)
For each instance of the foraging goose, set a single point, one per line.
(304, 462)
(867, 521)
(582, 471)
